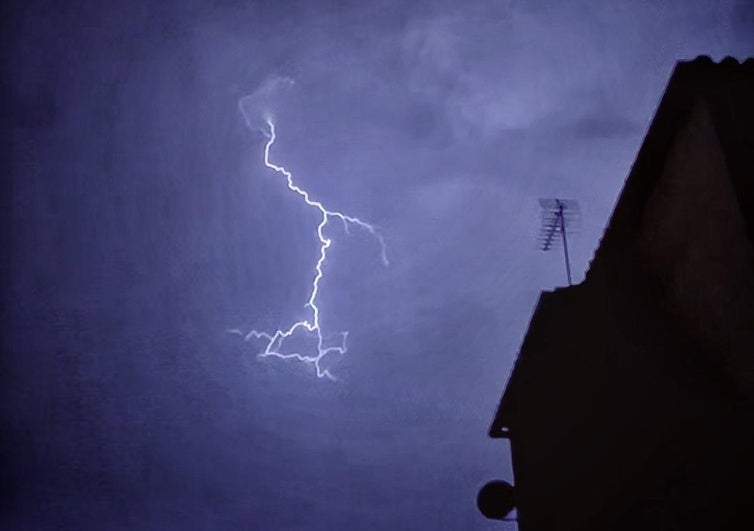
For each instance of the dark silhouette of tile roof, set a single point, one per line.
(727, 90)
(631, 403)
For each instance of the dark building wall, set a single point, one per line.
(613, 433)
(630, 404)
(694, 239)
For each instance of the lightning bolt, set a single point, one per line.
(274, 341)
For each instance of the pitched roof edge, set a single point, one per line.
(673, 110)
(685, 85)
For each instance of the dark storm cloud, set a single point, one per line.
(528, 63)
(143, 225)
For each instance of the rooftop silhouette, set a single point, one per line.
(631, 403)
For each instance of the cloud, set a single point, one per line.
(261, 104)
(516, 65)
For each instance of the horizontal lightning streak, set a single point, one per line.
(274, 341)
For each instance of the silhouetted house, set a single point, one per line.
(630, 406)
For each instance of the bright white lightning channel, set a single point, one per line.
(274, 341)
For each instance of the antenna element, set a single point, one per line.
(556, 215)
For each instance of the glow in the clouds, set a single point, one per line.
(275, 341)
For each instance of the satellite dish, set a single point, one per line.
(495, 500)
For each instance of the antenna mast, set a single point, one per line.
(556, 214)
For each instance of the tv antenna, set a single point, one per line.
(557, 214)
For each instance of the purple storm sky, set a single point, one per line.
(140, 224)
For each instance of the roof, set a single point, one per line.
(727, 90)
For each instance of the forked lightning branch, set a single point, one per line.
(275, 343)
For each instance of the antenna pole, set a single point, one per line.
(565, 241)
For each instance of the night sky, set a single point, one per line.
(139, 224)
